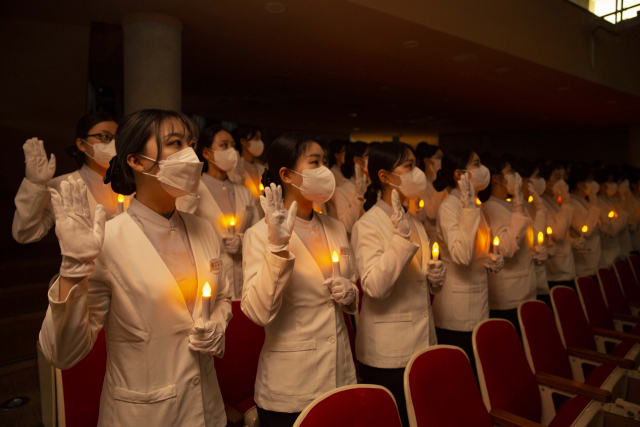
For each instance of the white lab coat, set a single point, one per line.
(348, 207)
(516, 282)
(240, 176)
(306, 350)
(539, 225)
(624, 236)
(610, 229)
(396, 319)
(432, 201)
(34, 215)
(203, 205)
(587, 259)
(560, 267)
(465, 240)
(152, 377)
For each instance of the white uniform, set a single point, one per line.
(152, 377)
(396, 319)
(205, 206)
(516, 282)
(306, 350)
(465, 240)
(587, 259)
(432, 201)
(624, 236)
(348, 206)
(560, 267)
(34, 213)
(337, 174)
(249, 175)
(610, 232)
(539, 225)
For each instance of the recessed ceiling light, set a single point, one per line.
(465, 57)
(354, 114)
(410, 44)
(563, 88)
(502, 70)
(275, 7)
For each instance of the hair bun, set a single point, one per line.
(119, 182)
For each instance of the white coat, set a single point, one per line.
(203, 205)
(560, 267)
(306, 350)
(624, 236)
(539, 225)
(348, 206)
(587, 259)
(396, 319)
(465, 240)
(152, 377)
(432, 201)
(34, 213)
(516, 282)
(610, 229)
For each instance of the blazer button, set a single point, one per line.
(425, 314)
(330, 303)
(172, 233)
(332, 340)
(196, 380)
(423, 284)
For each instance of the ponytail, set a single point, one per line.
(386, 156)
(371, 196)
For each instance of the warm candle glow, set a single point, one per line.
(206, 290)
(611, 214)
(508, 199)
(530, 199)
(496, 241)
(421, 204)
(559, 201)
(233, 221)
(585, 229)
(261, 187)
(335, 257)
(540, 237)
(478, 202)
(549, 231)
(435, 251)
(120, 198)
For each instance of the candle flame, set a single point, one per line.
(530, 199)
(585, 229)
(549, 231)
(261, 187)
(120, 198)
(496, 241)
(233, 221)
(435, 251)
(478, 202)
(559, 201)
(421, 204)
(508, 199)
(335, 257)
(611, 214)
(206, 290)
(540, 237)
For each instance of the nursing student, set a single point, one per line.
(465, 242)
(141, 279)
(248, 170)
(221, 201)
(623, 203)
(397, 273)
(294, 289)
(611, 221)
(337, 154)
(349, 197)
(94, 149)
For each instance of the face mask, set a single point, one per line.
(437, 165)
(623, 188)
(511, 183)
(480, 177)
(225, 159)
(556, 188)
(318, 184)
(612, 187)
(595, 187)
(179, 173)
(102, 153)
(538, 185)
(412, 184)
(256, 147)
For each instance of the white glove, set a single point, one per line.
(578, 243)
(342, 290)
(39, 170)
(80, 240)
(436, 272)
(232, 244)
(552, 249)
(537, 200)
(540, 254)
(361, 182)
(518, 200)
(468, 198)
(494, 263)
(279, 224)
(399, 217)
(207, 338)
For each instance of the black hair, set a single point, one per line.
(385, 156)
(206, 140)
(245, 132)
(634, 176)
(525, 167)
(458, 158)
(600, 175)
(335, 147)
(355, 149)
(284, 152)
(614, 172)
(579, 173)
(495, 166)
(132, 136)
(424, 150)
(83, 127)
(547, 169)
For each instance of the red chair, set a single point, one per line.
(634, 262)
(627, 280)
(352, 405)
(612, 291)
(441, 391)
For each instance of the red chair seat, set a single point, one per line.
(600, 375)
(570, 411)
(627, 280)
(623, 348)
(245, 405)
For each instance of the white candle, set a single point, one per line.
(336, 264)
(120, 203)
(496, 243)
(206, 302)
(232, 226)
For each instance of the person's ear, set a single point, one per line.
(244, 142)
(81, 145)
(207, 154)
(383, 176)
(457, 174)
(285, 175)
(134, 162)
(497, 179)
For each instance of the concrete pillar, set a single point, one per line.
(634, 147)
(152, 62)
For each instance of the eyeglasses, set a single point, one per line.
(104, 137)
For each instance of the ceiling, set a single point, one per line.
(330, 65)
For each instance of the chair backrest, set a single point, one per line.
(613, 296)
(352, 405)
(593, 304)
(236, 371)
(627, 280)
(634, 262)
(506, 380)
(542, 342)
(572, 324)
(441, 390)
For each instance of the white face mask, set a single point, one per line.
(595, 187)
(479, 177)
(556, 188)
(623, 188)
(612, 187)
(511, 183)
(102, 153)
(225, 159)
(539, 185)
(412, 184)
(318, 184)
(255, 147)
(179, 173)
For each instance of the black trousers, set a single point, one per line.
(459, 339)
(510, 315)
(276, 419)
(392, 379)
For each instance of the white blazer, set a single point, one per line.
(240, 176)
(348, 207)
(432, 201)
(539, 225)
(465, 240)
(624, 236)
(203, 205)
(516, 282)
(34, 215)
(306, 350)
(610, 232)
(587, 259)
(152, 377)
(560, 267)
(396, 319)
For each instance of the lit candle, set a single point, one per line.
(232, 226)
(612, 214)
(261, 187)
(478, 202)
(549, 233)
(435, 252)
(509, 199)
(584, 230)
(530, 199)
(496, 243)
(421, 204)
(206, 302)
(120, 203)
(336, 264)
(540, 238)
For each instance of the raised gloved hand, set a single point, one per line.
(399, 217)
(552, 249)
(540, 254)
(561, 189)
(207, 338)
(342, 290)
(39, 170)
(232, 244)
(537, 200)
(361, 182)
(80, 239)
(436, 272)
(468, 197)
(494, 263)
(279, 223)
(578, 243)
(518, 199)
